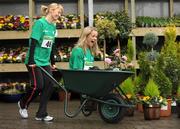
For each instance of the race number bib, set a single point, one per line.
(47, 43)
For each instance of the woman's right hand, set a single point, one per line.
(32, 65)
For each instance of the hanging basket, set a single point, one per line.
(151, 112)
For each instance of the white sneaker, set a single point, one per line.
(47, 118)
(22, 112)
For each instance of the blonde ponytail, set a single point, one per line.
(44, 10)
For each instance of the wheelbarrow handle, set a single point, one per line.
(52, 78)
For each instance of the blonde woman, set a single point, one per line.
(82, 56)
(40, 54)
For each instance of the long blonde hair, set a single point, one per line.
(82, 40)
(45, 9)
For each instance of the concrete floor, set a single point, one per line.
(10, 119)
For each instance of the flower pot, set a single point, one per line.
(140, 107)
(166, 110)
(62, 95)
(173, 107)
(11, 97)
(130, 111)
(151, 112)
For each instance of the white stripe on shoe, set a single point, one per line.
(46, 119)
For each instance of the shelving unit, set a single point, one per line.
(19, 67)
(62, 33)
(75, 33)
(157, 30)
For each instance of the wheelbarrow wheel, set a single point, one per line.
(110, 113)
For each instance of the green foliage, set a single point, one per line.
(123, 23)
(170, 34)
(130, 49)
(178, 95)
(128, 87)
(120, 18)
(146, 21)
(169, 61)
(163, 82)
(151, 89)
(138, 84)
(178, 91)
(146, 67)
(150, 39)
(106, 28)
(152, 56)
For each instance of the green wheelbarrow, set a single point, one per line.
(96, 86)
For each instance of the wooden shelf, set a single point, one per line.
(20, 67)
(69, 33)
(75, 33)
(62, 33)
(157, 30)
(14, 35)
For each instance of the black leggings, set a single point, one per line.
(41, 85)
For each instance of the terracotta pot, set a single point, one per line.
(130, 111)
(140, 107)
(166, 110)
(62, 96)
(151, 113)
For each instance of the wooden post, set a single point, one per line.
(90, 12)
(133, 11)
(126, 6)
(31, 13)
(81, 12)
(133, 19)
(104, 52)
(171, 8)
(119, 46)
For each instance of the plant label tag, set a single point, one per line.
(164, 107)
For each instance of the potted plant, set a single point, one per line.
(61, 93)
(128, 89)
(12, 92)
(106, 29)
(168, 69)
(152, 101)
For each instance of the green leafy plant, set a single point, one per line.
(130, 50)
(169, 58)
(150, 39)
(164, 83)
(128, 88)
(106, 28)
(151, 89)
(123, 23)
(152, 95)
(178, 95)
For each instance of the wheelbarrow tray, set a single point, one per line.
(94, 83)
